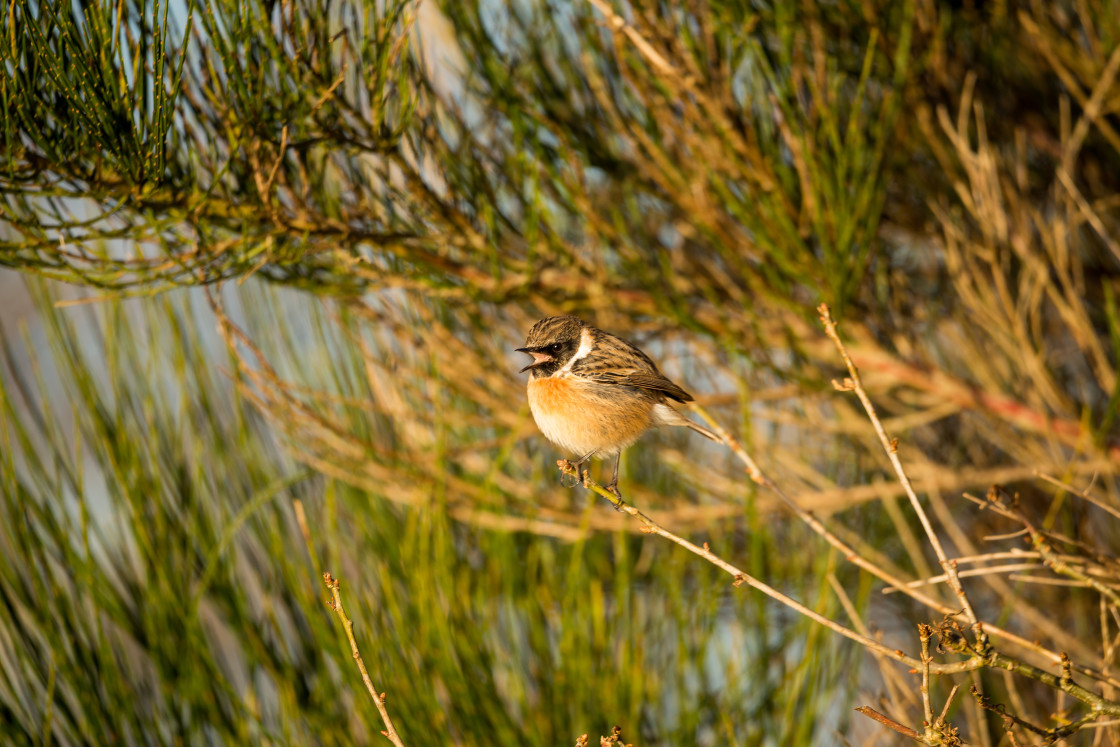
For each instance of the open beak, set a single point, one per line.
(539, 358)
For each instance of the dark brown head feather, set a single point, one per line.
(552, 342)
(554, 329)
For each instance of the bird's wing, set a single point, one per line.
(641, 379)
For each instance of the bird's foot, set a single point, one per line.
(569, 473)
(620, 504)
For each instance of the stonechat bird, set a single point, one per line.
(593, 394)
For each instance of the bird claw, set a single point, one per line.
(613, 488)
(567, 479)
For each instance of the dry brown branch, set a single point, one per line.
(948, 704)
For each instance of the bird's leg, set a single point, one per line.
(613, 485)
(579, 473)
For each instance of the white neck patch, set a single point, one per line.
(585, 345)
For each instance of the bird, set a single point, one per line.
(594, 394)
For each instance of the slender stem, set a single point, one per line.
(348, 626)
(948, 703)
(905, 731)
(891, 447)
(1084, 494)
(925, 632)
(987, 570)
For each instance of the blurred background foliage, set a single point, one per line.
(399, 191)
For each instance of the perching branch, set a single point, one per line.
(741, 577)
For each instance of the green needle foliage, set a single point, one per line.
(158, 586)
(399, 191)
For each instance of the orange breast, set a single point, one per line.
(554, 397)
(581, 417)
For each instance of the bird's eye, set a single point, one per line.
(555, 347)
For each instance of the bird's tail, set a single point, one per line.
(702, 430)
(665, 415)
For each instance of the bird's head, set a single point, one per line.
(552, 342)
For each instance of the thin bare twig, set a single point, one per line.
(854, 384)
(1046, 581)
(1010, 568)
(651, 55)
(948, 704)
(1041, 541)
(1083, 494)
(905, 731)
(348, 626)
(893, 678)
(925, 632)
